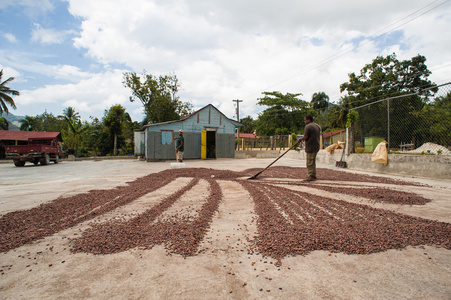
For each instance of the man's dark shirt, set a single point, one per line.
(312, 143)
(179, 140)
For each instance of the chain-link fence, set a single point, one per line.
(409, 123)
(277, 142)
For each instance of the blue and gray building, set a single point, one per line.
(208, 133)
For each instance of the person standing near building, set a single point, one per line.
(311, 137)
(179, 146)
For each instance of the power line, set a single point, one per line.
(274, 112)
(373, 37)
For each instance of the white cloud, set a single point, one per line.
(9, 37)
(32, 8)
(26, 63)
(89, 96)
(9, 72)
(224, 50)
(49, 36)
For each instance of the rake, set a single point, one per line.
(255, 176)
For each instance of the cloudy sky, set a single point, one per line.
(73, 52)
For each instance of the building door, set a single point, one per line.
(203, 144)
(208, 143)
(211, 143)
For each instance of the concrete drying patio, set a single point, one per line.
(87, 252)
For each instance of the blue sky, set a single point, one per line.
(74, 52)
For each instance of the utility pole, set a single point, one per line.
(238, 116)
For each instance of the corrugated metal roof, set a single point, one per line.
(10, 135)
(236, 123)
(328, 134)
(247, 135)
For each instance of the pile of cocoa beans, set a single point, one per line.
(289, 222)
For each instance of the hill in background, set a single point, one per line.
(13, 120)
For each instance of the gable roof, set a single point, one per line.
(236, 123)
(247, 135)
(11, 135)
(328, 134)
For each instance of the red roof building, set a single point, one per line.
(247, 136)
(9, 135)
(333, 137)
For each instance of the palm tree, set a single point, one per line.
(4, 124)
(70, 114)
(75, 126)
(4, 94)
(28, 123)
(320, 101)
(339, 117)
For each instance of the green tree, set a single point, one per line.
(320, 101)
(114, 121)
(43, 122)
(158, 96)
(129, 136)
(28, 123)
(49, 122)
(284, 115)
(75, 127)
(249, 125)
(436, 121)
(95, 138)
(5, 93)
(352, 118)
(4, 124)
(388, 77)
(70, 114)
(336, 115)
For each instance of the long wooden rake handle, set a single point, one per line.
(255, 176)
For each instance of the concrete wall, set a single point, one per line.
(140, 143)
(429, 166)
(258, 153)
(155, 150)
(225, 145)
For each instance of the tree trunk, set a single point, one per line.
(115, 141)
(351, 132)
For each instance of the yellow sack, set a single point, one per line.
(331, 148)
(380, 154)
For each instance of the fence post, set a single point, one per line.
(347, 141)
(388, 125)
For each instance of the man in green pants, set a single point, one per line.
(311, 136)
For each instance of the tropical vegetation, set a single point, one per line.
(5, 94)
(385, 77)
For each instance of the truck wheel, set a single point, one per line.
(45, 160)
(19, 163)
(56, 159)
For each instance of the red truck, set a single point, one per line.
(38, 150)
